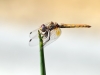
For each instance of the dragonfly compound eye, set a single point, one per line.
(43, 28)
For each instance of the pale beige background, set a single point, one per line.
(76, 52)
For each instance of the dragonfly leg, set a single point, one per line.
(46, 41)
(47, 38)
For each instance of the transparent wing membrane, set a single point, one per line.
(54, 35)
(34, 34)
(34, 41)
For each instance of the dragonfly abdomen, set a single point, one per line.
(74, 26)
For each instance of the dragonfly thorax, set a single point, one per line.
(53, 26)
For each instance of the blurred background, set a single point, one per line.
(76, 52)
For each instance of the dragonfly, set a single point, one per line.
(50, 32)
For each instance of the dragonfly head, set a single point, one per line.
(43, 28)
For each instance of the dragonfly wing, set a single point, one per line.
(34, 34)
(34, 38)
(54, 35)
(33, 42)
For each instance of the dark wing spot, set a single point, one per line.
(30, 32)
(30, 40)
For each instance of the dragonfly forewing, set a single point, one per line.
(33, 34)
